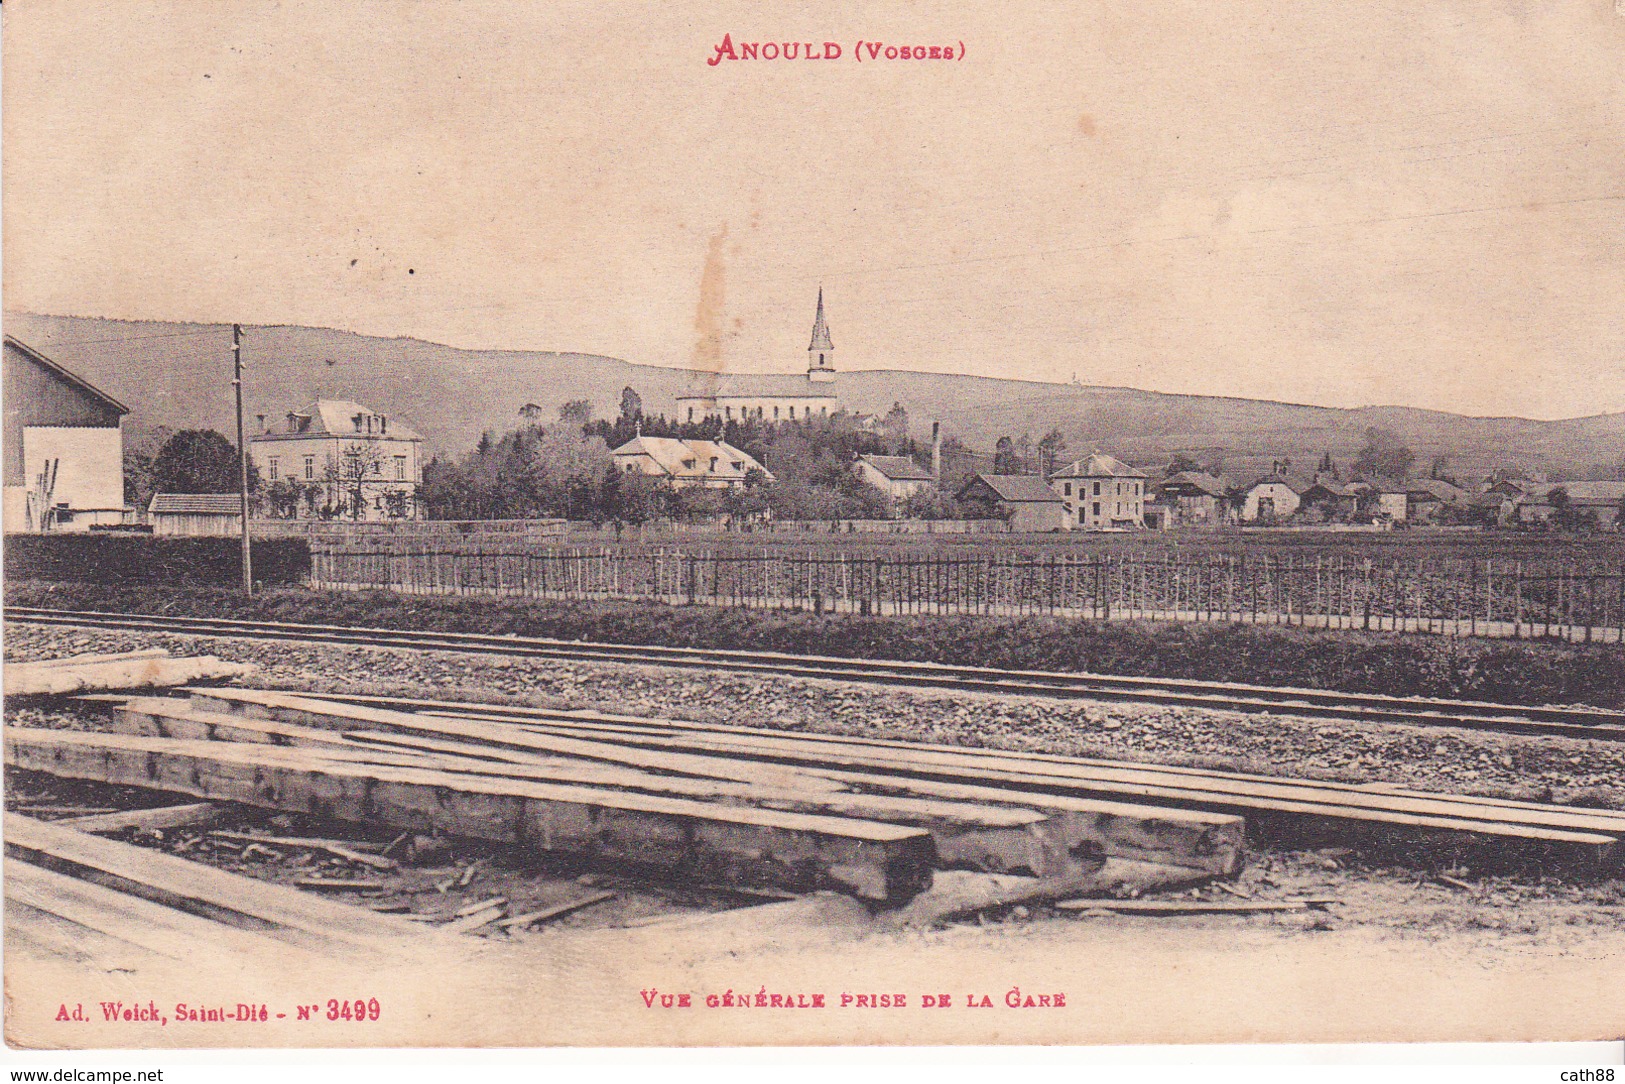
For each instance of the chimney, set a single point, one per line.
(261, 417)
(936, 453)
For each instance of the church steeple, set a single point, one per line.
(821, 354)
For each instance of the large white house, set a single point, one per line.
(1101, 491)
(706, 464)
(364, 464)
(768, 396)
(64, 449)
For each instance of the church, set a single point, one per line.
(768, 396)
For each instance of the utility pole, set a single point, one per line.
(242, 454)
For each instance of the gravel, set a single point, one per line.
(1564, 770)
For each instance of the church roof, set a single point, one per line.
(820, 335)
(754, 386)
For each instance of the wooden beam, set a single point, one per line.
(966, 834)
(233, 899)
(1550, 839)
(310, 712)
(883, 862)
(558, 910)
(1190, 907)
(152, 927)
(32, 679)
(159, 819)
(611, 723)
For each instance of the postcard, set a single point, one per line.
(888, 524)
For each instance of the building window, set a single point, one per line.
(1097, 493)
(713, 464)
(728, 412)
(792, 413)
(273, 468)
(1068, 488)
(775, 413)
(690, 414)
(1097, 509)
(310, 467)
(400, 468)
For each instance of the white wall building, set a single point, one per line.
(64, 448)
(706, 464)
(363, 464)
(1101, 491)
(768, 397)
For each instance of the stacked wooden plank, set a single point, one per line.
(150, 669)
(1427, 828)
(704, 816)
(73, 891)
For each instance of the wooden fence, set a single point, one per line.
(1446, 596)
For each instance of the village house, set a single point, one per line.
(1192, 499)
(1429, 499)
(1270, 499)
(64, 448)
(1332, 500)
(705, 464)
(897, 476)
(1032, 505)
(768, 397)
(1537, 502)
(359, 463)
(1102, 491)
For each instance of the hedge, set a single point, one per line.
(130, 559)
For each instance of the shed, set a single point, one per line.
(196, 515)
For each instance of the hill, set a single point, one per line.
(179, 375)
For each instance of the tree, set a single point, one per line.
(199, 461)
(631, 404)
(1004, 457)
(576, 412)
(347, 476)
(896, 423)
(1050, 448)
(1384, 456)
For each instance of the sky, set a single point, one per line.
(1352, 203)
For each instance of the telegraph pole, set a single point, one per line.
(242, 453)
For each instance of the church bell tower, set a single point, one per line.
(821, 354)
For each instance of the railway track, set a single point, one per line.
(1574, 722)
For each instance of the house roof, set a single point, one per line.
(1437, 488)
(898, 468)
(1192, 479)
(1296, 487)
(335, 418)
(203, 504)
(754, 386)
(673, 457)
(1336, 489)
(1017, 488)
(65, 374)
(1098, 465)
